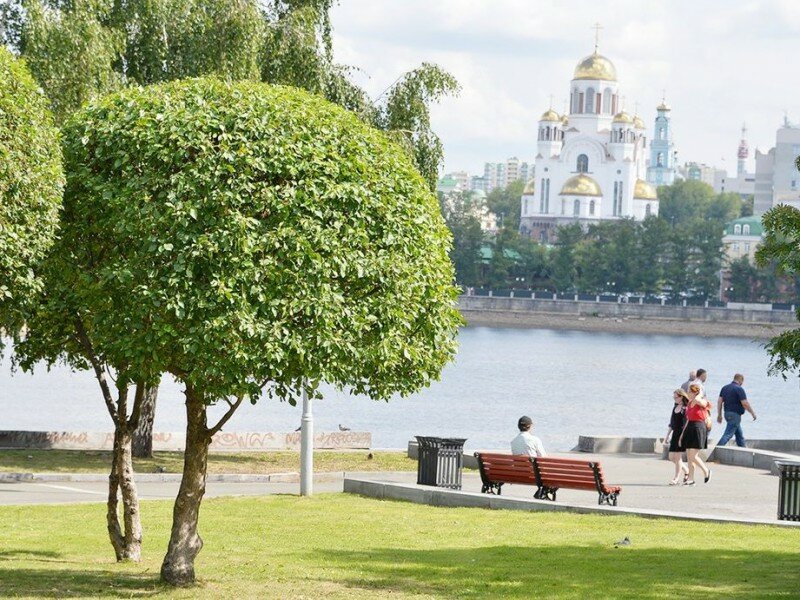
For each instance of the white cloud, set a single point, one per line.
(720, 62)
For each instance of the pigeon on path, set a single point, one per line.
(343, 428)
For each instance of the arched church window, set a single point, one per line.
(589, 100)
(746, 229)
(607, 101)
(591, 208)
(597, 107)
(563, 206)
(583, 164)
(660, 159)
(576, 208)
(661, 133)
(647, 210)
(614, 103)
(576, 105)
(737, 229)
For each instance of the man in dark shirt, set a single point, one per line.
(733, 399)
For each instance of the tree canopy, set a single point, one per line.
(256, 233)
(31, 183)
(781, 246)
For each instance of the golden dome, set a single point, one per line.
(623, 117)
(663, 106)
(638, 123)
(550, 115)
(580, 185)
(595, 66)
(564, 120)
(530, 188)
(644, 191)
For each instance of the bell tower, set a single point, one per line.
(661, 170)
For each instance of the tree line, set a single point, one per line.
(678, 253)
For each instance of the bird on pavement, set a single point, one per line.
(299, 428)
(343, 428)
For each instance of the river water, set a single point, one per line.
(569, 382)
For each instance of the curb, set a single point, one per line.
(441, 497)
(289, 477)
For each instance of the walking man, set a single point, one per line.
(733, 399)
(685, 385)
(526, 442)
(702, 376)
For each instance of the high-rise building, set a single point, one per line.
(777, 179)
(662, 154)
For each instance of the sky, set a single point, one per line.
(720, 63)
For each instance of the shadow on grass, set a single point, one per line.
(28, 554)
(23, 582)
(571, 571)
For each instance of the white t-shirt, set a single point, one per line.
(527, 443)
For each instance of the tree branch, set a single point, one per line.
(228, 414)
(97, 365)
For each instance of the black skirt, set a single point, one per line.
(695, 435)
(674, 445)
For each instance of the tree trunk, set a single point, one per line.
(127, 543)
(143, 435)
(184, 542)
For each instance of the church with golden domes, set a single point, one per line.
(591, 164)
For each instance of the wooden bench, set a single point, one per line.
(549, 474)
(498, 469)
(555, 473)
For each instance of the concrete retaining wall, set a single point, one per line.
(614, 309)
(616, 444)
(754, 459)
(222, 442)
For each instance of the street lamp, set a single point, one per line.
(306, 447)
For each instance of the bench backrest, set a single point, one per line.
(569, 472)
(506, 468)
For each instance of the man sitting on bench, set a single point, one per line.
(526, 443)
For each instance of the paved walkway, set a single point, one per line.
(85, 491)
(734, 492)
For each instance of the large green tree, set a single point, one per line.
(71, 50)
(31, 182)
(247, 235)
(780, 246)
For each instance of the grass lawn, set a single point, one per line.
(342, 546)
(83, 461)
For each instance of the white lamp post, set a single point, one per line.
(306, 447)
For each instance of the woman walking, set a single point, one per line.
(677, 420)
(695, 433)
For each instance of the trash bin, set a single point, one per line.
(440, 461)
(789, 490)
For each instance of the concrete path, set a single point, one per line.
(95, 491)
(732, 492)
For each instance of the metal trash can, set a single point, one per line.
(789, 490)
(440, 461)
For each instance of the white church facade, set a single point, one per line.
(591, 165)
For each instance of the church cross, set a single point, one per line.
(597, 27)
